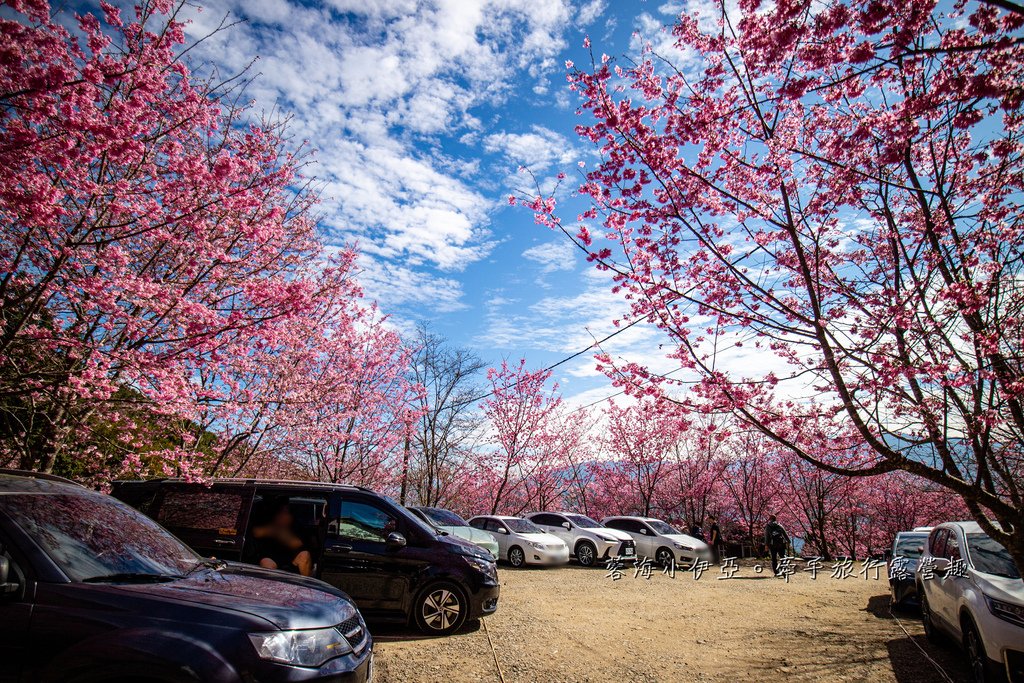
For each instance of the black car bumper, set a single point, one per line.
(484, 602)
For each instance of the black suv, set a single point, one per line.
(393, 565)
(92, 591)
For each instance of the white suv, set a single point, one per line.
(970, 588)
(589, 541)
(660, 541)
(520, 541)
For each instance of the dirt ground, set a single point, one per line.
(576, 624)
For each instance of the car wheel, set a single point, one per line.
(665, 557)
(926, 617)
(516, 556)
(586, 553)
(976, 657)
(441, 609)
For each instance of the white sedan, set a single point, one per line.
(521, 542)
(660, 541)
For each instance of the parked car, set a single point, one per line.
(901, 561)
(520, 541)
(394, 566)
(450, 523)
(660, 541)
(971, 589)
(589, 541)
(92, 590)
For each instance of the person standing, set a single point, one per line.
(777, 540)
(715, 540)
(696, 531)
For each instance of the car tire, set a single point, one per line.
(977, 660)
(516, 556)
(586, 553)
(926, 617)
(441, 608)
(665, 557)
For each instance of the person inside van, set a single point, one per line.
(278, 546)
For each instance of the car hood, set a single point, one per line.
(470, 534)
(1000, 587)
(690, 541)
(611, 533)
(285, 600)
(545, 538)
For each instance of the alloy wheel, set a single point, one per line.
(975, 653)
(585, 554)
(441, 609)
(516, 557)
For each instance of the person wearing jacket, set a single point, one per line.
(777, 540)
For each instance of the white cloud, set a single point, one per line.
(374, 86)
(553, 256)
(590, 11)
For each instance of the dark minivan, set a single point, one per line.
(394, 566)
(91, 591)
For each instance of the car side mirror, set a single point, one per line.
(567, 525)
(395, 541)
(502, 531)
(6, 588)
(643, 531)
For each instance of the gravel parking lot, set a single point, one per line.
(575, 624)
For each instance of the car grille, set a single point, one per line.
(354, 632)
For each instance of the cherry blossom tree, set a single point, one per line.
(521, 415)
(167, 305)
(834, 187)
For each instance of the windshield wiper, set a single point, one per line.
(207, 563)
(132, 577)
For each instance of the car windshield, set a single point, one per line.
(990, 557)
(522, 526)
(584, 522)
(91, 537)
(443, 517)
(910, 546)
(660, 527)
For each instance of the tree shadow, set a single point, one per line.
(399, 633)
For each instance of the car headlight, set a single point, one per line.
(486, 566)
(606, 539)
(535, 544)
(310, 647)
(1006, 611)
(473, 552)
(680, 546)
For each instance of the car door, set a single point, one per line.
(501, 534)
(15, 615)
(358, 559)
(212, 521)
(948, 584)
(934, 580)
(552, 524)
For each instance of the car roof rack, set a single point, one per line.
(40, 475)
(250, 481)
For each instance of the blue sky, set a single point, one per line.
(422, 113)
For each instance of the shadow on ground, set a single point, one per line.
(914, 658)
(396, 633)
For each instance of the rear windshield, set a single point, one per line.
(990, 557)
(443, 517)
(91, 536)
(910, 546)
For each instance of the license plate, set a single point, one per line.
(628, 551)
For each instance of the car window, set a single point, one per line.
(92, 536)
(547, 519)
(478, 523)
(619, 524)
(991, 557)
(952, 551)
(660, 527)
(442, 517)
(360, 521)
(584, 522)
(911, 547)
(937, 543)
(201, 509)
(523, 526)
(494, 525)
